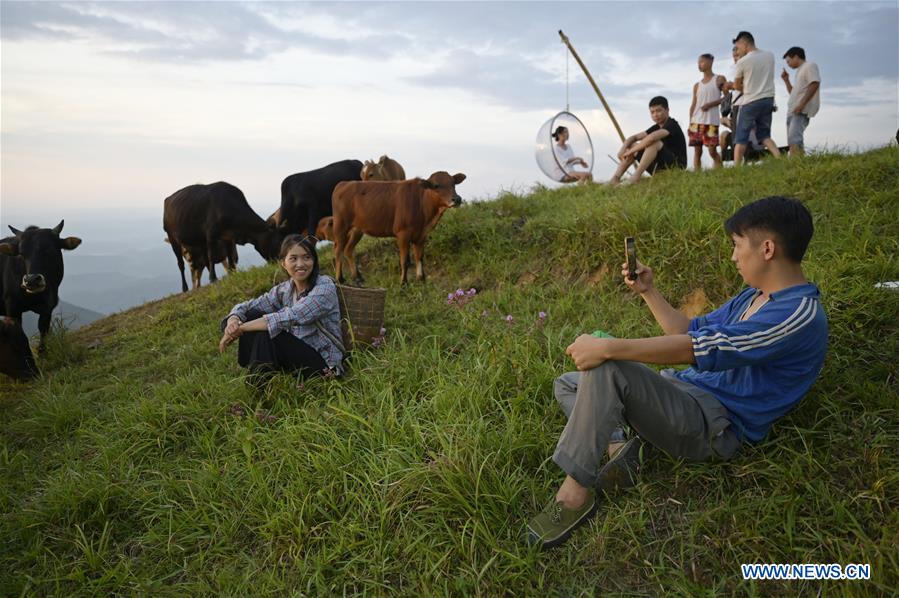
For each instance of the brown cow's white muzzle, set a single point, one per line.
(34, 283)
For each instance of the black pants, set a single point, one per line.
(286, 353)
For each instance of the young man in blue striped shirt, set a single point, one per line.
(752, 360)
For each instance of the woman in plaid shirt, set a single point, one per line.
(293, 327)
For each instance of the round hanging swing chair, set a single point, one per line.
(557, 162)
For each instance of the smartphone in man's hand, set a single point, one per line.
(630, 250)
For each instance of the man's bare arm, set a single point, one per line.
(589, 352)
(810, 92)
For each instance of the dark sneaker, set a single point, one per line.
(556, 522)
(622, 469)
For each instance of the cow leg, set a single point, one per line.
(196, 276)
(232, 257)
(210, 259)
(340, 239)
(43, 326)
(403, 243)
(354, 238)
(419, 251)
(176, 247)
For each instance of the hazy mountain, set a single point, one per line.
(72, 316)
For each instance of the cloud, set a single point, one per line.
(185, 31)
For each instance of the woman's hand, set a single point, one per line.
(232, 331)
(644, 277)
(227, 339)
(232, 328)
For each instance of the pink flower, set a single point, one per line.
(509, 318)
(542, 315)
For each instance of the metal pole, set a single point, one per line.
(593, 83)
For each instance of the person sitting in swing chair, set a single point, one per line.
(566, 172)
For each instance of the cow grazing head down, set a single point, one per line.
(444, 185)
(16, 359)
(268, 243)
(40, 249)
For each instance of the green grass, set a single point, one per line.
(140, 463)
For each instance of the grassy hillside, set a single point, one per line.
(141, 463)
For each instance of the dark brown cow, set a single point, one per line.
(407, 210)
(199, 217)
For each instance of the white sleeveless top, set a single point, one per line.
(705, 93)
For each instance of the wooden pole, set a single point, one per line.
(593, 83)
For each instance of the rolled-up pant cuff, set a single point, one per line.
(585, 478)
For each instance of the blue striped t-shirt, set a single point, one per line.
(759, 368)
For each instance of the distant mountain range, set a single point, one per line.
(72, 316)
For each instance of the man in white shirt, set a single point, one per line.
(805, 98)
(754, 77)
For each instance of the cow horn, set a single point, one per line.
(15, 231)
(58, 228)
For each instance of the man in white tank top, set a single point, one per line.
(704, 116)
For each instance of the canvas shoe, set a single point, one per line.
(553, 526)
(622, 469)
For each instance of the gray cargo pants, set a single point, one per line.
(679, 418)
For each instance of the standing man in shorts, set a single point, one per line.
(805, 98)
(659, 147)
(754, 77)
(704, 116)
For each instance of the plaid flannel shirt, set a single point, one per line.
(285, 312)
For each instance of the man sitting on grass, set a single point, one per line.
(659, 147)
(752, 360)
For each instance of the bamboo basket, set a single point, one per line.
(361, 314)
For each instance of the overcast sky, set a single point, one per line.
(118, 105)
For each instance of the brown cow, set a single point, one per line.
(407, 210)
(323, 232)
(385, 169)
(225, 252)
(325, 229)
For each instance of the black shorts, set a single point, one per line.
(664, 159)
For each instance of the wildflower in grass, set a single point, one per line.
(509, 319)
(542, 315)
(485, 313)
(461, 298)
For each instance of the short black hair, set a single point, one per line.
(559, 130)
(707, 57)
(786, 218)
(795, 51)
(745, 35)
(659, 101)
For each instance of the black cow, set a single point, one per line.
(16, 360)
(306, 196)
(31, 271)
(200, 217)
